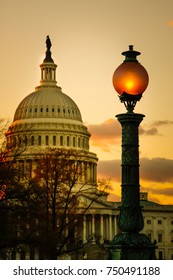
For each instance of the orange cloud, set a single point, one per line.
(159, 170)
(105, 135)
(156, 178)
(158, 192)
(108, 134)
(110, 169)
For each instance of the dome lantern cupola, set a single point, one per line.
(48, 117)
(48, 67)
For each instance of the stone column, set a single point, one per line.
(115, 226)
(88, 173)
(27, 255)
(18, 255)
(107, 227)
(91, 172)
(82, 172)
(36, 255)
(101, 229)
(84, 229)
(94, 173)
(93, 228)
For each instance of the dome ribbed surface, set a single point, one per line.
(48, 102)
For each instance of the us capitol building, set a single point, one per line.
(48, 118)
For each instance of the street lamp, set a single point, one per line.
(130, 80)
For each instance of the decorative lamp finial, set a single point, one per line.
(130, 55)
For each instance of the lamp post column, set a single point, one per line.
(130, 80)
(130, 244)
(130, 219)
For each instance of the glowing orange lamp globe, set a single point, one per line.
(130, 77)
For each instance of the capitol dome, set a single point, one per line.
(48, 117)
(48, 102)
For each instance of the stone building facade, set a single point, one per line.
(158, 225)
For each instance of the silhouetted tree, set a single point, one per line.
(59, 183)
(40, 209)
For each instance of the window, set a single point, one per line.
(171, 222)
(148, 222)
(83, 143)
(79, 142)
(54, 140)
(74, 141)
(47, 109)
(68, 141)
(61, 140)
(47, 140)
(160, 237)
(32, 141)
(159, 222)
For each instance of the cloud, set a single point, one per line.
(159, 191)
(150, 131)
(159, 170)
(156, 178)
(106, 134)
(108, 129)
(164, 122)
(110, 169)
(153, 128)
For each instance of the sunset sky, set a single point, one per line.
(88, 37)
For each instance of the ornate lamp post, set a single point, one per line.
(130, 80)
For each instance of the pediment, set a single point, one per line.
(90, 201)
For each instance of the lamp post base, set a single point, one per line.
(131, 246)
